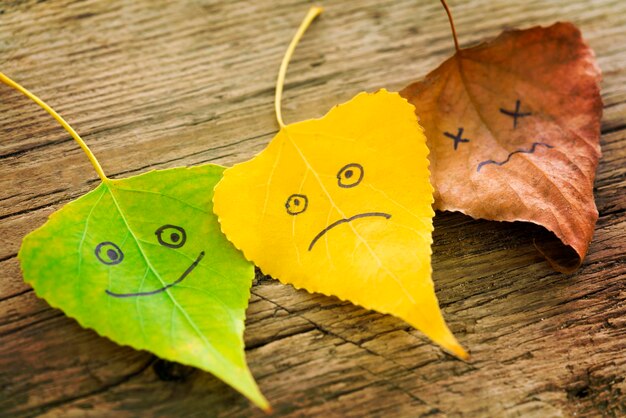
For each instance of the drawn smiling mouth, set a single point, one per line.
(346, 220)
(164, 288)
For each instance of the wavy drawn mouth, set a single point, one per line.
(346, 220)
(164, 288)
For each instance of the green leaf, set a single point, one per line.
(142, 261)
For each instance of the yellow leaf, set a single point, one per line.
(342, 206)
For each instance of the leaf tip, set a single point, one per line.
(449, 343)
(459, 352)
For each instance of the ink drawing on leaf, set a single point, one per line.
(341, 205)
(142, 261)
(513, 127)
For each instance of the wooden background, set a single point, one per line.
(155, 84)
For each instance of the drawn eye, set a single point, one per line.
(171, 236)
(296, 204)
(350, 175)
(108, 253)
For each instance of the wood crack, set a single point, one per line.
(47, 407)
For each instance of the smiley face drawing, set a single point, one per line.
(341, 205)
(142, 261)
(145, 241)
(170, 236)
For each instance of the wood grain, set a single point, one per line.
(156, 84)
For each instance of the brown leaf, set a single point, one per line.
(513, 126)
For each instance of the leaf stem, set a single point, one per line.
(92, 158)
(456, 41)
(280, 81)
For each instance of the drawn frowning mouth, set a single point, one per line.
(346, 220)
(164, 288)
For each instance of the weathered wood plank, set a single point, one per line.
(156, 84)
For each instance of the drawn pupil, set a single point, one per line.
(109, 253)
(171, 236)
(350, 175)
(296, 204)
